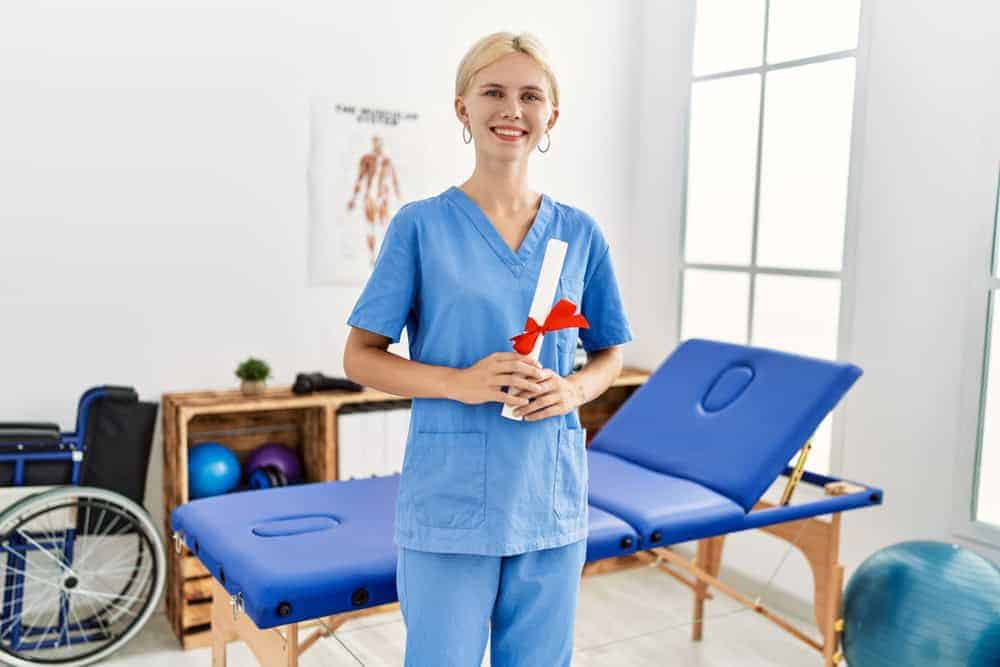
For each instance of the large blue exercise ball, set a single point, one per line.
(212, 470)
(923, 603)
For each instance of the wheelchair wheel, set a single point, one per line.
(83, 569)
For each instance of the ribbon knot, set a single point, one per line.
(562, 316)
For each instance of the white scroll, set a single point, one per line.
(541, 304)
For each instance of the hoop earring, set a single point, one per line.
(469, 140)
(548, 145)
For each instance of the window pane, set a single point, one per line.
(715, 305)
(988, 496)
(797, 314)
(728, 35)
(806, 148)
(803, 28)
(721, 170)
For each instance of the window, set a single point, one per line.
(769, 140)
(986, 480)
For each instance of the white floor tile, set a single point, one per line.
(637, 618)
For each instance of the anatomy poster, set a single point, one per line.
(364, 163)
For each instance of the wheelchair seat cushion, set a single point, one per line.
(669, 508)
(25, 433)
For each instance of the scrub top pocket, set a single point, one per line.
(570, 495)
(570, 287)
(447, 478)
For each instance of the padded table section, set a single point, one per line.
(657, 505)
(609, 536)
(299, 552)
(315, 547)
(726, 416)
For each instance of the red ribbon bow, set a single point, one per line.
(562, 316)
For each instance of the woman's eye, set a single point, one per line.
(528, 95)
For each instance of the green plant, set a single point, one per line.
(253, 369)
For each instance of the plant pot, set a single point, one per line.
(252, 387)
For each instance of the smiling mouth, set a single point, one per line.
(508, 135)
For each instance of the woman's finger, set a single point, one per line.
(540, 403)
(518, 367)
(509, 399)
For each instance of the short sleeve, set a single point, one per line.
(388, 296)
(602, 302)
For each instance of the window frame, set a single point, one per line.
(846, 274)
(984, 290)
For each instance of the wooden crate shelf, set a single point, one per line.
(307, 424)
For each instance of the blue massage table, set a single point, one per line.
(688, 457)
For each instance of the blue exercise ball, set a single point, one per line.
(923, 603)
(212, 470)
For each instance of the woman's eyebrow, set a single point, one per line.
(499, 85)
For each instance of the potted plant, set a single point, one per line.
(253, 372)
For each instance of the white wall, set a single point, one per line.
(928, 185)
(925, 176)
(153, 204)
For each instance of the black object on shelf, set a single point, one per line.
(306, 383)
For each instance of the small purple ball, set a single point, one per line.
(277, 455)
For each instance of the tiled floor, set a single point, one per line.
(638, 618)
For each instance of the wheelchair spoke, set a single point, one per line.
(95, 539)
(120, 608)
(85, 555)
(54, 618)
(139, 586)
(109, 596)
(15, 552)
(40, 579)
(97, 614)
(25, 613)
(41, 548)
(79, 626)
(105, 571)
(113, 561)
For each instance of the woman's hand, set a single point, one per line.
(481, 382)
(556, 396)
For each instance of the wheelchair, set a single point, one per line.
(83, 566)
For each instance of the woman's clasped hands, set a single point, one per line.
(541, 392)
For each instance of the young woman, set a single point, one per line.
(491, 518)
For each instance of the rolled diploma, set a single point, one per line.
(541, 304)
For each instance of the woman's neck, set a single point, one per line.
(503, 192)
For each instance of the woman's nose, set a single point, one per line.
(513, 110)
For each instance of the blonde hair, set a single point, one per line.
(491, 48)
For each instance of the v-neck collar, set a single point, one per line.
(515, 261)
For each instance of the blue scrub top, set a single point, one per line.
(473, 481)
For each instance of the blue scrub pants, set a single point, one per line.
(450, 603)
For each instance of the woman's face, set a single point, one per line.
(512, 94)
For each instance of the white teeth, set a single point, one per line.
(507, 133)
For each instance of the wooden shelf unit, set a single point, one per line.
(306, 423)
